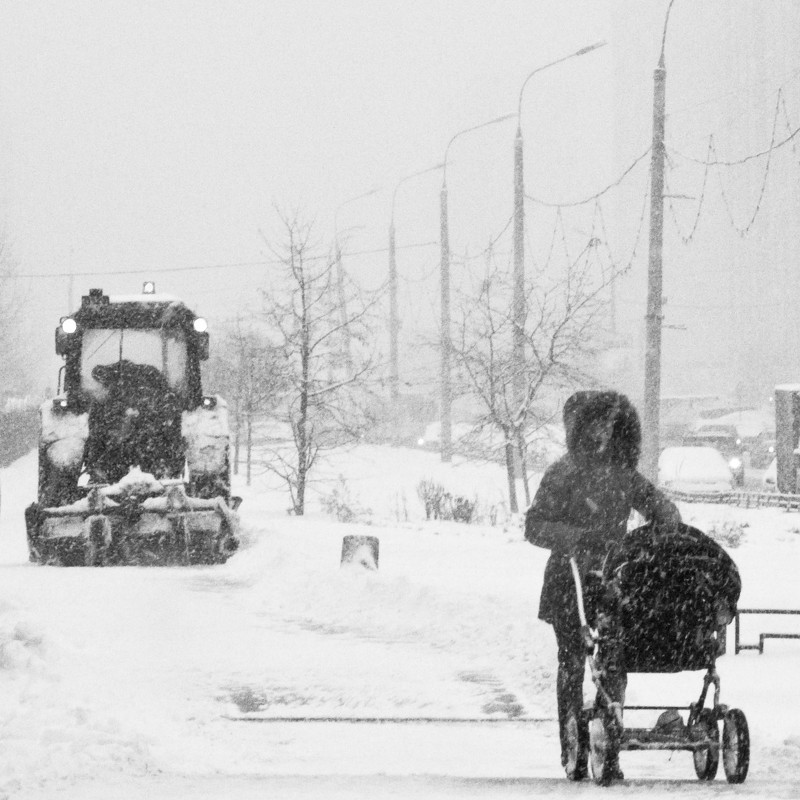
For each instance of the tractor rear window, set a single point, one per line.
(162, 348)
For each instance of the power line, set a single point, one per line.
(688, 238)
(595, 196)
(716, 162)
(744, 231)
(735, 93)
(197, 268)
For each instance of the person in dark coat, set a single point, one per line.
(581, 510)
(138, 422)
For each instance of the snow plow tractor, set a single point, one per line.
(133, 457)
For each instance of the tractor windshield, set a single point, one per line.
(162, 348)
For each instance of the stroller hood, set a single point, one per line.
(676, 590)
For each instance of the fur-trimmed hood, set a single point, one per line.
(585, 408)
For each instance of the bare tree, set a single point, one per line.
(321, 330)
(247, 369)
(560, 336)
(15, 372)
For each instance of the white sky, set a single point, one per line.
(153, 136)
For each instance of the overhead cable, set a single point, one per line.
(586, 200)
(197, 268)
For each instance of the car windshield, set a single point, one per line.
(162, 348)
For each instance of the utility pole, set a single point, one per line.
(445, 433)
(341, 295)
(341, 299)
(445, 436)
(394, 318)
(394, 321)
(654, 315)
(519, 304)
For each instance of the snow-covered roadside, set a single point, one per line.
(130, 672)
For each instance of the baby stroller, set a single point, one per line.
(661, 604)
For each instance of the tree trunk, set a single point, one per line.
(299, 507)
(237, 436)
(523, 469)
(249, 446)
(510, 472)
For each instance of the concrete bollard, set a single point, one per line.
(361, 550)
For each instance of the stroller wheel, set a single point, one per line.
(577, 750)
(735, 746)
(603, 750)
(706, 761)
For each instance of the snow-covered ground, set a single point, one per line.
(178, 682)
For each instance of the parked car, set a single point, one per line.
(726, 440)
(761, 449)
(431, 437)
(770, 480)
(694, 469)
(486, 443)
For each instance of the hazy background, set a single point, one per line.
(155, 139)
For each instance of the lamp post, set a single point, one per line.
(653, 318)
(394, 320)
(518, 302)
(342, 300)
(445, 438)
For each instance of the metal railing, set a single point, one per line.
(743, 499)
(762, 637)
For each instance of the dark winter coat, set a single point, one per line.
(137, 423)
(584, 500)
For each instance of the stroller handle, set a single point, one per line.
(578, 589)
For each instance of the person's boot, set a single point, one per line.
(615, 772)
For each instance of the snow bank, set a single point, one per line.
(130, 671)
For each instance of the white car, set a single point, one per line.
(694, 469)
(770, 480)
(431, 438)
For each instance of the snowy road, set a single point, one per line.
(128, 682)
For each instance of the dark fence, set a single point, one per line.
(789, 502)
(19, 434)
(762, 637)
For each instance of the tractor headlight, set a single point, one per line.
(735, 463)
(200, 325)
(209, 401)
(69, 325)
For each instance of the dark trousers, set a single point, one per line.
(569, 680)
(571, 666)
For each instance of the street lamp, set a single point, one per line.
(342, 300)
(518, 303)
(653, 318)
(394, 320)
(445, 437)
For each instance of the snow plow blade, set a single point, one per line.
(100, 530)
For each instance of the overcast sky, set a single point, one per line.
(160, 135)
